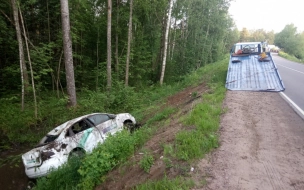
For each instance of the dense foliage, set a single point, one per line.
(291, 41)
(199, 32)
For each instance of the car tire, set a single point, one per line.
(128, 125)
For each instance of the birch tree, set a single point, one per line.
(23, 69)
(166, 43)
(30, 64)
(129, 44)
(67, 48)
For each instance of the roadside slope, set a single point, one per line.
(262, 145)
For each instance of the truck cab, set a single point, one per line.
(249, 48)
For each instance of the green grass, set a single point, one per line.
(196, 142)
(178, 183)
(290, 57)
(146, 162)
(161, 115)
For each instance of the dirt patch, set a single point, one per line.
(261, 145)
(128, 175)
(187, 95)
(180, 99)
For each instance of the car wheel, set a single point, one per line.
(128, 125)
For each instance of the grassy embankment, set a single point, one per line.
(290, 57)
(188, 145)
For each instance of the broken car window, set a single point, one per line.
(77, 127)
(99, 118)
(47, 139)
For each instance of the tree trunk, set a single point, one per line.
(166, 43)
(155, 66)
(129, 43)
(23, 70)
(97, 60)
(173, 42)
(116, 39)
(203, 52)
(67, 47)
(109, 52)
(30, 63)
(49, 35)
(58, 75)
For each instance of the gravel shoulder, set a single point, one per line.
(261, 146)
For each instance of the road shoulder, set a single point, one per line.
(262, 145)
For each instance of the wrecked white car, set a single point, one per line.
(76, 136)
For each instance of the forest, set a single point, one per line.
(200, 32)
(140, 46)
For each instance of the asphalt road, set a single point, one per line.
(292, 74)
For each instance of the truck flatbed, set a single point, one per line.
(248, 71)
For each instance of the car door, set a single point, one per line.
(103, 124)
(81, 135)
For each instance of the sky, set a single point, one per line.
(267, 14)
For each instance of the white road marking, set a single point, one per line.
(290, 68)
(294, 105)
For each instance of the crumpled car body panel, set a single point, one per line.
(82, 133)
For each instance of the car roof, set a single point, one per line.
(56, 131)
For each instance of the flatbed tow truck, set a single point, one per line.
(252, 68)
